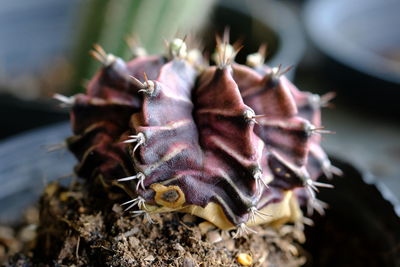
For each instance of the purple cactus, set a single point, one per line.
(233, 144)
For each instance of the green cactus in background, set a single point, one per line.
(107, 22)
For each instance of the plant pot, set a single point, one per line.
(21, 115)
(27, 166)
(359, 229)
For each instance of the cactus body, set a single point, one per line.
(233, 144)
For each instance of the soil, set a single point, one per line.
(86, 226)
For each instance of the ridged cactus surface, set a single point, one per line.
(236, 145)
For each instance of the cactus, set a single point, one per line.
(236, 145)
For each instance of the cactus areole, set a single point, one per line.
(236, 145)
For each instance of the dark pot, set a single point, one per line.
(27, 166)
(359, 229)
(20, 115)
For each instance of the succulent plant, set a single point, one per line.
(236, 145)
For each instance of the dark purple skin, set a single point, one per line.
(197, 134)
(100, 118)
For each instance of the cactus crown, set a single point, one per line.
(236, 145)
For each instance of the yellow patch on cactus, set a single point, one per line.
(168, 196)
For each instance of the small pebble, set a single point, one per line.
(82, 210)
(213, 237)
(117, 209)
(149, 258)
(228, 244)
(189, 262)
(133, 241)
(32, 215)
(197, 234)
(27, 233)
(244, 259)
(6, 232)
(206, 226)
(178, 247)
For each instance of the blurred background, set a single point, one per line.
(351, 47)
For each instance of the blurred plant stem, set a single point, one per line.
(109, 22)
